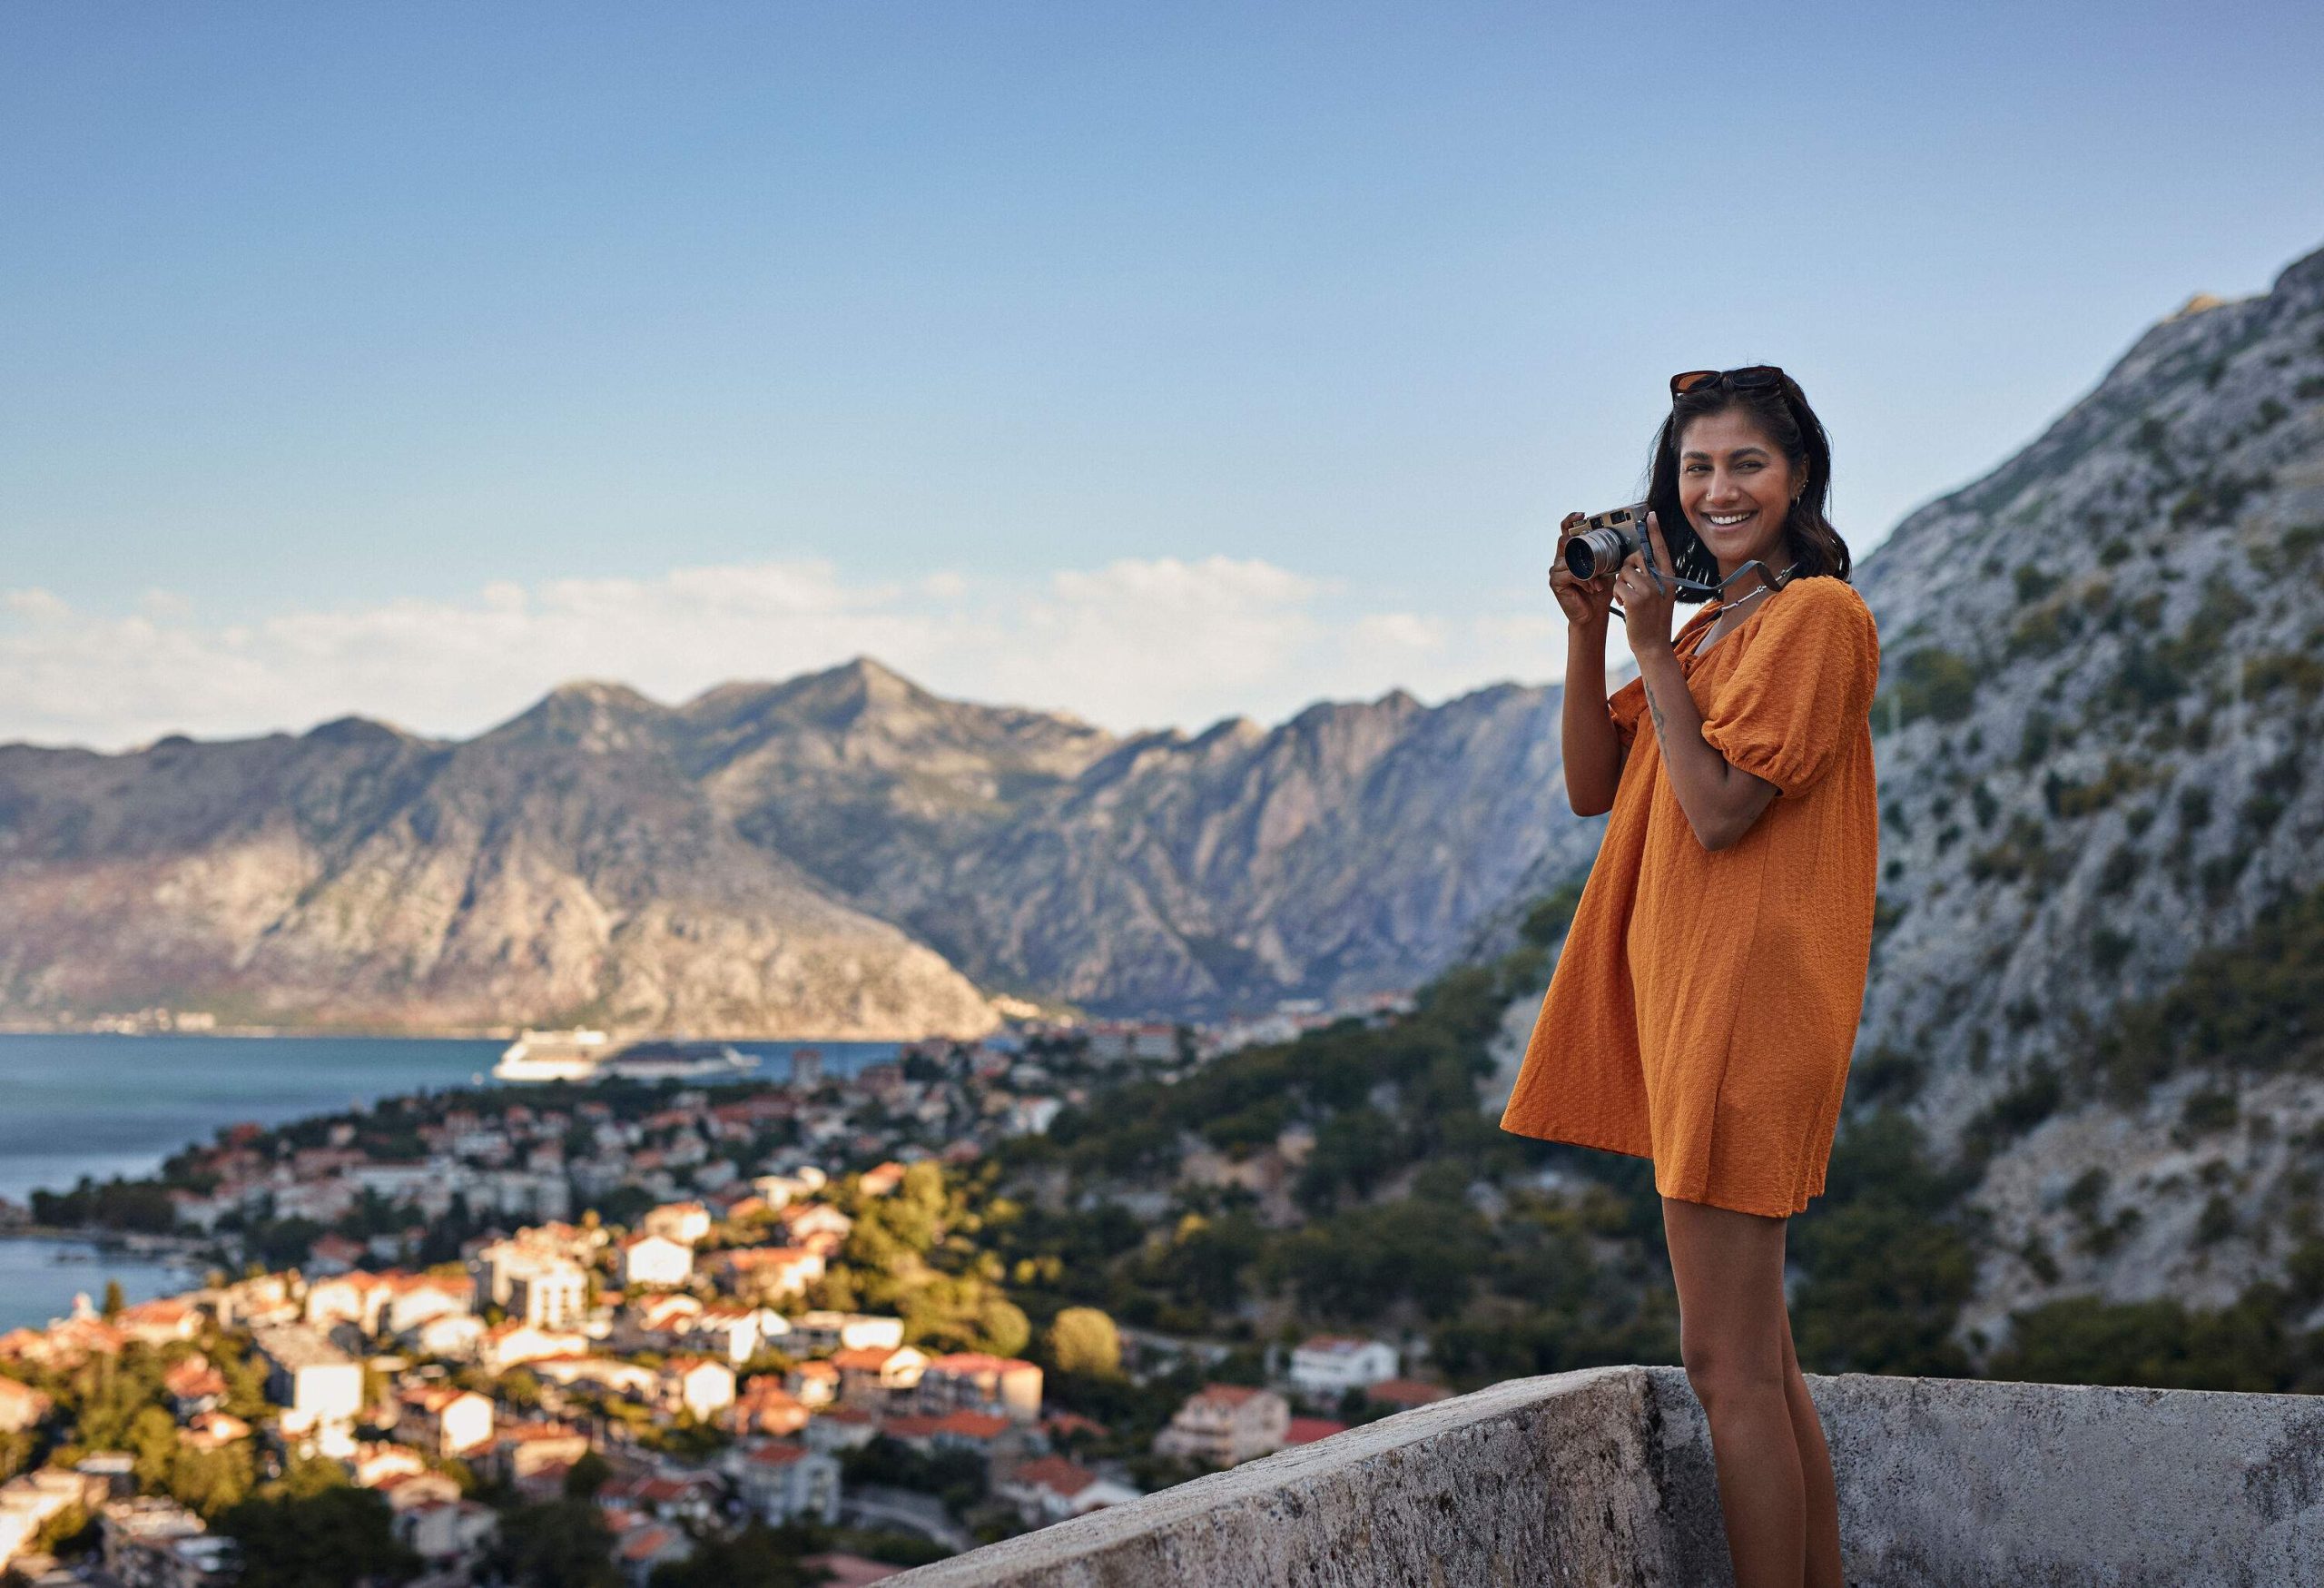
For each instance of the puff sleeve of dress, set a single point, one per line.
(1802, 689)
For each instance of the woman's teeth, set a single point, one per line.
(1729, 520)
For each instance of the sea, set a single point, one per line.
(73, 1105)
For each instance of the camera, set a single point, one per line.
(1602, 542)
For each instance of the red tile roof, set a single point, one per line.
(864, 1358)
(1057, 1475)
(1405, 1392)
(847, 1571)
(972, 1424)
(1308, 1430)
(1226, 1395)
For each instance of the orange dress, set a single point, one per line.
(1705, 1004)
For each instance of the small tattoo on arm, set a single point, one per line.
(1654, 709)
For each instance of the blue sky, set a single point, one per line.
(1153, 362)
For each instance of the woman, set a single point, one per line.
(1706, 1001)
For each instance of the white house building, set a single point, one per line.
(1331, 1364)
(444, 1419)
(320, 1387)
(658, 1261)
(781, 1481)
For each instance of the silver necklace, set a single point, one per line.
(1782, 579)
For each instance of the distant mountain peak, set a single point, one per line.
(358, 730)
(588, 714)
(606, 692)
(872, 670)
(882, 685)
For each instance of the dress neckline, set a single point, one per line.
(1697, 650)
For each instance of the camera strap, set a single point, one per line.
(1717, 592)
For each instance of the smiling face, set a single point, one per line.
(1737, 487)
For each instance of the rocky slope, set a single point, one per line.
(558, 869)
(841, 855)
(1351, 847)
(2103, 670)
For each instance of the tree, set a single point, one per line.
(211, 1482)
(585, 1476)
(115, 1300)
(1885, 1277)
(1082, 1339)
(2083, 1339)
(154, 1446)
(339, 1535)
(564, 1544)
(15, 1453)
(757, 1557)
(1004, 1327)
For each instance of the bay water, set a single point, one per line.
(101, 1105)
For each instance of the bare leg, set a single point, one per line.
(1817, 1490)
(1732, 1333)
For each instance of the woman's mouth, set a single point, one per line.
(1728, 520)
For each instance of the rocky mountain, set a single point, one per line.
(2103, 670)
(559, 868)
(843, 853)
(1351, 847)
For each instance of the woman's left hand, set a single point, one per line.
(1645, 596)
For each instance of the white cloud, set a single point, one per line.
(1133, 644)
(36, 605)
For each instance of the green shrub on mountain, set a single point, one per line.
(2164, 1344)
(1886, 1270)
(2256, 1004)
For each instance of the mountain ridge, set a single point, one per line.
(540, 870)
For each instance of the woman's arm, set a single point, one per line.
(1591, 748)
(1721, 800)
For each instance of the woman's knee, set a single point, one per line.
(1724, 1370)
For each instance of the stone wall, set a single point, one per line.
(1605, 1478)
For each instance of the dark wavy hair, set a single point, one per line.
(1781, 411)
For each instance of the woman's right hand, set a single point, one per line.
(1586, 603)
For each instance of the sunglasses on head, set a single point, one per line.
(1749, 378)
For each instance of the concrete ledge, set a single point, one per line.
(1605, 1478)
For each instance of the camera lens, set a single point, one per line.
(1600, 551)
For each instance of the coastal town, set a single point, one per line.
(630, 1334)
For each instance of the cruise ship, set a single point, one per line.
(680, 1061)
(588, 1056)
(553, 1056)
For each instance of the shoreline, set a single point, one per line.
(95, 1108)
(143, 1242)
(18, 1029)
(406, 1034)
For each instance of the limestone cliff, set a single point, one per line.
(2102, 669)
